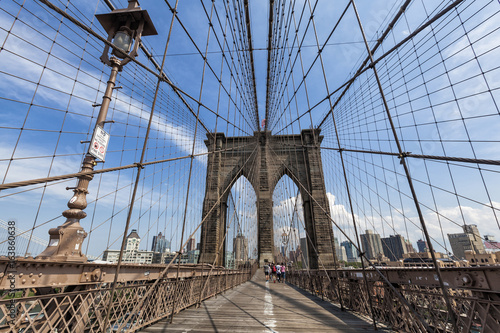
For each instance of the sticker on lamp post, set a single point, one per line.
(99, 143)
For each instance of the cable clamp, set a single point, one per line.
(140, 165)
(402, 155)
(361, 254)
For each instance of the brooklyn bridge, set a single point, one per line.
(249, 166)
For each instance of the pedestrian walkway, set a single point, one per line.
(260, 306)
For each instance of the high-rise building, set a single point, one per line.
(305, 254)
(340, 251)
(160, 244)
(371, 244)
(469, 240)
(394, 247)
(240, 248)
(342, 254)
(337, 247)
(350, 251)
(132, 254)
(190, 257)
(191, 244)
(422, 246)
(295, 256)
(229, 260)
(133, 241)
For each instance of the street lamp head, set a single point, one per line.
(125, 27)
(122, 41)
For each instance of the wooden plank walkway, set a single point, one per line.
(260, 306)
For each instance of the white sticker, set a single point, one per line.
(77, 246)
(73, 199)
(99, 143)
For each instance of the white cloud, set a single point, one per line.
(449, 222)
(59, 89)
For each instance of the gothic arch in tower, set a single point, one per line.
(263, 159)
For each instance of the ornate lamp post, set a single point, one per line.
(125, 27)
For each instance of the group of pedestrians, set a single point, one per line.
(275, 272)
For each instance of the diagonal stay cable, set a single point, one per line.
(205, 59)
(383, 56)
(363, 69)
(347, 85)
(254, 166)
(205, 63)
(165, 270)
(306, 73)
(138, 175)
(384, 278)
(250, 50)
(269, 50)
(444, 288)
(160, 76)
(160, 70)
(236, 76)
(77, 174)
(408, 154)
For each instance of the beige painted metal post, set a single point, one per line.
(66, 240)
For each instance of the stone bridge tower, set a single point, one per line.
(263, 159)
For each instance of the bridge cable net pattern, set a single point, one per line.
(404, 94)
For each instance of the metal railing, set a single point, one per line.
(82, 307)
(474, 291)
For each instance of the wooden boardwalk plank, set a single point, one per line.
(259, 306)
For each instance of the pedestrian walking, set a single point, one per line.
(278, 272)
(273, 267)
(283, 272)
(266, 272)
